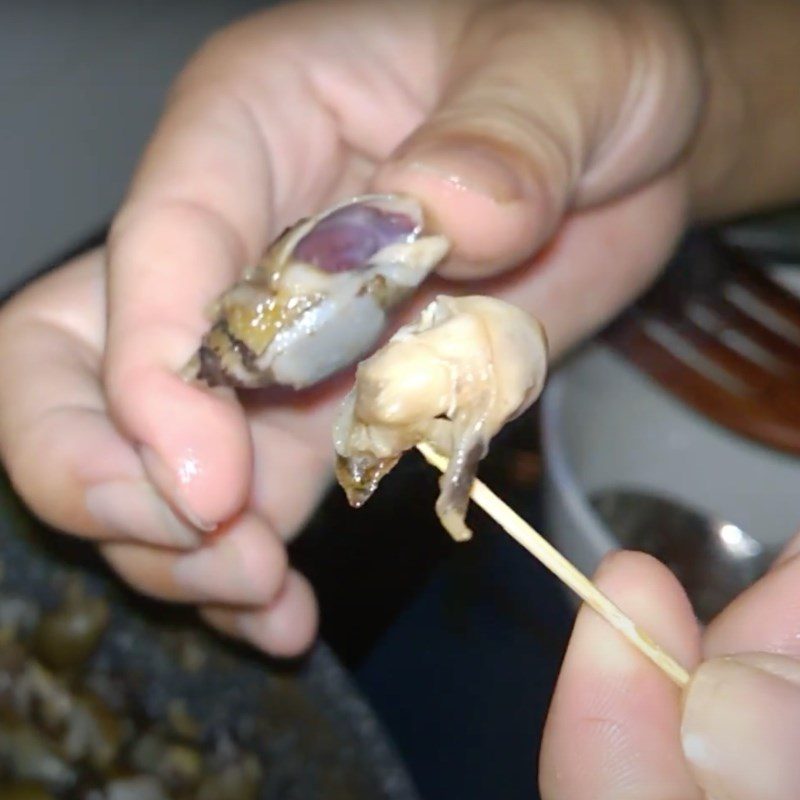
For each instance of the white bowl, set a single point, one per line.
(607, 426)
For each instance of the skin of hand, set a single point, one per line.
(542, 134)
(618, 729)
(561, 145)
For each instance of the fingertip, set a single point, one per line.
(194, 444)
(131, 509)
(741, 726)
(286, 628)
(651, 594)
(245, 565)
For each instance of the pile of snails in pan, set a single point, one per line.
(319, 301)
(72, 728)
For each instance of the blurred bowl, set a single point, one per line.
(608, 428)
(712, 558)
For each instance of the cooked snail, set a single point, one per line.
(452, 379)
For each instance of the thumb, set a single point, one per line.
(741, 727)
(546, 107)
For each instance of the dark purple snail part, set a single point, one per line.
(350, 236)
(320, 297)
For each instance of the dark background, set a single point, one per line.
(457, 646)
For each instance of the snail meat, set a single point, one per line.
(319, 298)
(452, 379)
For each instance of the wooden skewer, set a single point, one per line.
(539, 547)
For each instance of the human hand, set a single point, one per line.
(618, 729)
(548, 135)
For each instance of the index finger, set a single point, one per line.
(213, 186)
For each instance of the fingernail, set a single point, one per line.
(217, 573)
(133, 508)
(171, 481)
(741, 727)
(473, 166)
(258, 628)
(250, 624)
(245, 565)
(286, 626)
(199, 572)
